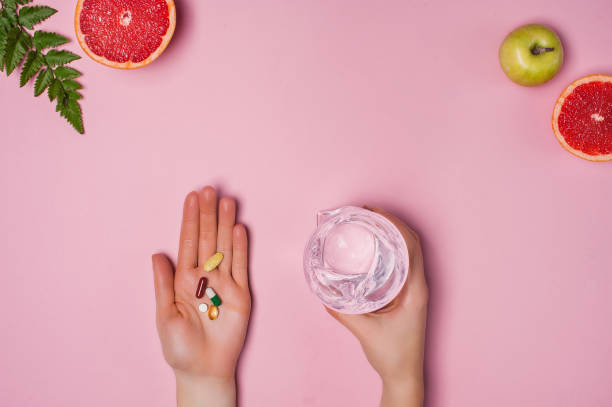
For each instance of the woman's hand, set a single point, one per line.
(204, 352)
(393, 338)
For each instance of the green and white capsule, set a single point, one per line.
(213, 296)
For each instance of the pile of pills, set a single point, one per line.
(213, 310)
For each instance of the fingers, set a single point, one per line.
(419, 292)
(163, 279)
(208, 224)
(188, 246)
(240, 256)
(403, 228)
(413, 242)
(227, 219)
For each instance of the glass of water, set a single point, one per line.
(356, 261)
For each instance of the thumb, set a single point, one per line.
(163, 277)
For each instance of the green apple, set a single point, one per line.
(531, 55)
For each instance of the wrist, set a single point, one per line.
(204, 391)
(403, 391)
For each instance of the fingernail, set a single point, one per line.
(208, 191)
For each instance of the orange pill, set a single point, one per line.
(213, 312)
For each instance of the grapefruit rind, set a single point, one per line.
(129, 64)
(557, 112)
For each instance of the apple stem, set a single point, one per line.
(537, 50)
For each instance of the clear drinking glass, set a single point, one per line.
(356, 261)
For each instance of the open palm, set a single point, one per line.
(192, 343)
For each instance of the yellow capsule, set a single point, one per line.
(213, 261)
(213, 312)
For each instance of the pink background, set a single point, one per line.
(293, 107)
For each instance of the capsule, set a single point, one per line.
(213, 312)
(213, 261)
(203, 307)
(213, 296)
(201, 287)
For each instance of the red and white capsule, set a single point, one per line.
(201, 288)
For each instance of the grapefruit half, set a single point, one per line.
(124, 34)
(582, 118)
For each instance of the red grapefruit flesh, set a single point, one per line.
(124, 34)
(582, 118)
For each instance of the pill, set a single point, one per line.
(213, 296)
(201, 287)
(203, 307)
(213, 261)
(213, 312)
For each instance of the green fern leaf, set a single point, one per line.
(64, 72)
(69, 84)
(43, 80)
(16, 17)
(5, 22)
(10, 4)
(3, 38)
(10, 15)
(74, 95)
(56, 91)
(55, 57)
(44, 39)
(61, 100)
(2, 48)
(29, 16)
(17, 44)
(30, 67)
(5, 25)
(71, 111)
